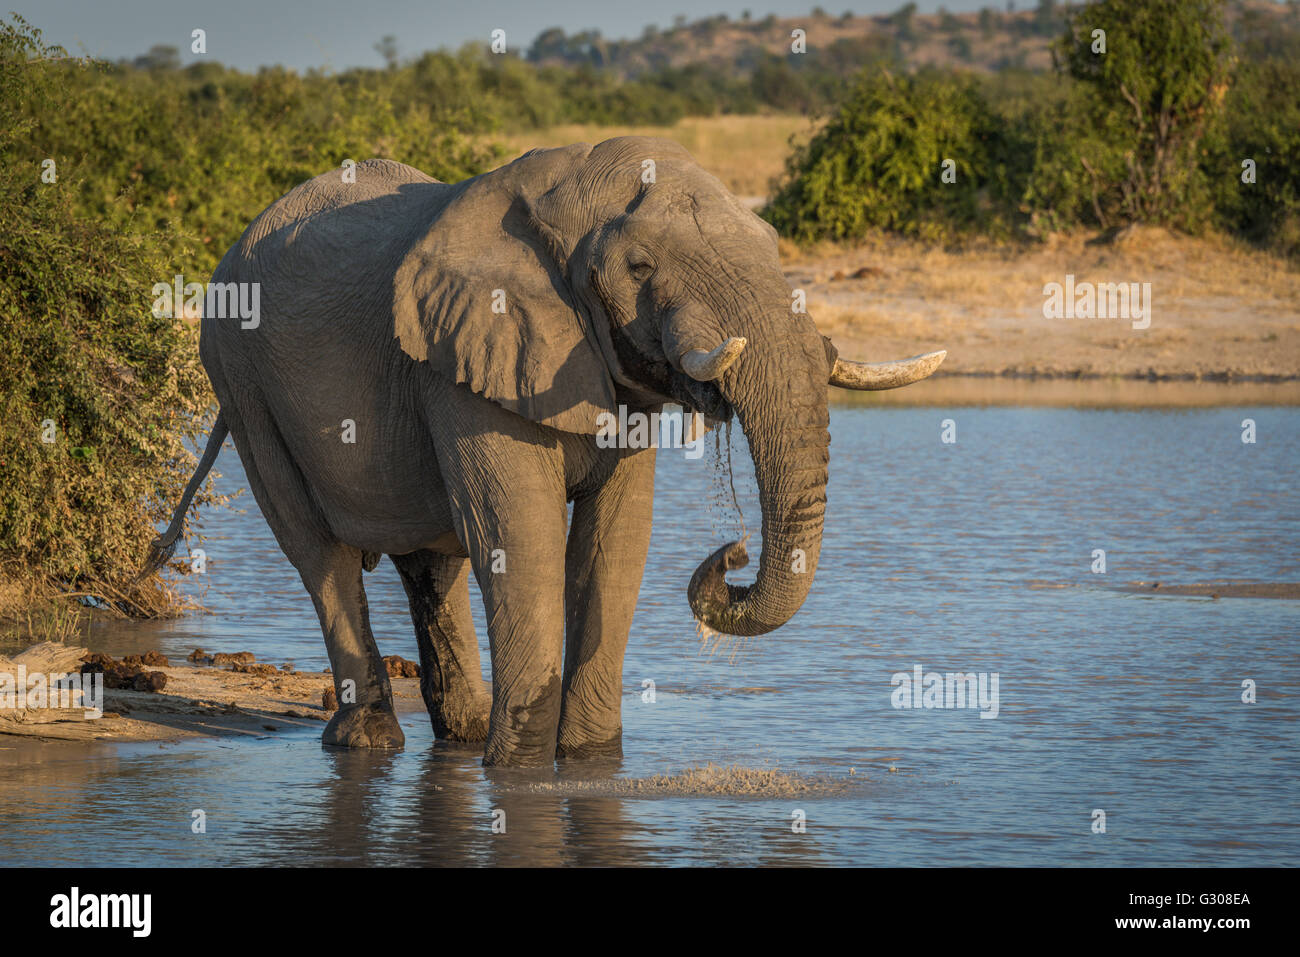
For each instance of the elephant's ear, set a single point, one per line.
(483, 297)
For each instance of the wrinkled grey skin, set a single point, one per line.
(474, 427)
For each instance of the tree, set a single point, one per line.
(387, 48)
(160, 57)
(902, 19)
(1148, 99)
(549, 44)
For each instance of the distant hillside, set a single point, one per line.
(988, 41)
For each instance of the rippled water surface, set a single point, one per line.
(966, 557)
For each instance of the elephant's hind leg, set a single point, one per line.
(365, 718)
(451, 678)
(331, 573)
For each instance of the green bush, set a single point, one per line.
(97, 397)
(878, 164)
(1261, 123)
(198, 153)
(1153, 128)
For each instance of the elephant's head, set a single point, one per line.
(579, 278)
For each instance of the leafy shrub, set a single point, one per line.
(1153, 129)
(197, 155)
(877, 164)
(82, 362)
(1261, 123)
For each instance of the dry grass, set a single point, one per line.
(33, 608)
(29, 612)
(745, 152)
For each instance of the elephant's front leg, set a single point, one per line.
(604, 562)
(516, 562)
(507, 491)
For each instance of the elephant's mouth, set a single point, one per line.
(678, 387)
(704, 397)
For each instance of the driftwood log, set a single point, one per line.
(53, 661)
(49, 657)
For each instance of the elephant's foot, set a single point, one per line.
(502, 755)
(589, 729)
(524, 725)
(364, 726)
(514, 745)
(583, 749)
(462, 717)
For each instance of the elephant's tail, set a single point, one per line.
(164, 546)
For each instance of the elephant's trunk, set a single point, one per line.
(778, 390)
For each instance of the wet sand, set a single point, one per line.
(1289, 590)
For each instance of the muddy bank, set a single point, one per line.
(1289, 590)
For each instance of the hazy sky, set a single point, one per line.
(342, 33)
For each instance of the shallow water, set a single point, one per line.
(966, 557)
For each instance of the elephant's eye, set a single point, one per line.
(640, 268)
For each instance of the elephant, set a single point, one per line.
(426, 378)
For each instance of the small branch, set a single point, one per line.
(1096, 205)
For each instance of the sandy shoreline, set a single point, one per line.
(1094, 392)
(200, 701)
(1218, 313)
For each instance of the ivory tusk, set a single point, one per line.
(707, 366)
(874, 376)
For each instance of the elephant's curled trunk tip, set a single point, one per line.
(716, 604)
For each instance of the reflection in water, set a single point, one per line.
(289, 802)
(966, 557)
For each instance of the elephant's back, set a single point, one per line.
(319, 256)
(363, 211)
(320, 356)
(319, 263)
